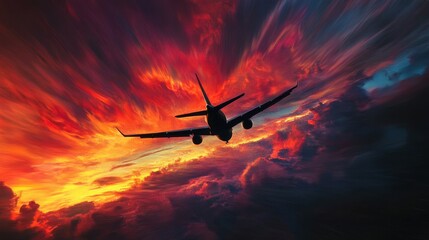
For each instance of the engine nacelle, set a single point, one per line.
(247, 124)
(197, 139)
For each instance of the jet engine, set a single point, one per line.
(197, 139)
(247, 124)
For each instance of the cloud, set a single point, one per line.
(199, 230)
(258, 170)
(121, 166)
(105, 226)
(103, 181)
(20, 227)
(27, 213)
(76, 209)
(7, 201)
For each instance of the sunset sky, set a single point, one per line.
(346, 148)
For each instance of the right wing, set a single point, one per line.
(236, 120)
(178, 133)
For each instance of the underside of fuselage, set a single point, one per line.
(225, 135)
(218, 125)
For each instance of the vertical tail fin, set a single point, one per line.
(204, 92)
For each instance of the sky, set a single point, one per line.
(343, 157)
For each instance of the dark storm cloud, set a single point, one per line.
(66, 231)
(27, 213)
(76, 209)
(7, 201)
(105, 226)
(67, 219)
(19, 228)
(165, 181)
(361, 185)
(374, 191)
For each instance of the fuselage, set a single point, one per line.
(218, 125)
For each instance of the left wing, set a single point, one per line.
(236, 120)
(178, 133)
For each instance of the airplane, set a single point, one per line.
(218, 125)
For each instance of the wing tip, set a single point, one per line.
(296, 85)
(120, 132)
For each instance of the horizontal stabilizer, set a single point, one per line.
(222, 105)
(193, 114)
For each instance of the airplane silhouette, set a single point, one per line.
(218, 125)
